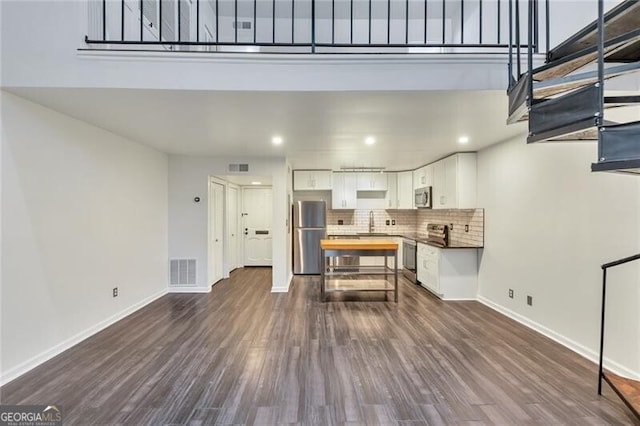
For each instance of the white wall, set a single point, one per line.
(83, 211)
(549, 225)
(188, 178)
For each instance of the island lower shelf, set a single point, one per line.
(344, 278)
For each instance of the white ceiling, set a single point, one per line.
(320, 129)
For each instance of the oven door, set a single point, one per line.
(409, 260)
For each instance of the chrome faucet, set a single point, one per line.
(370, 221)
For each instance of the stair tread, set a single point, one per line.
(623, 18)
(627, 389)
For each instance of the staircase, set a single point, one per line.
(562, 102)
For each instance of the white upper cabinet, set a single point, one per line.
(391, 196)
(454, 182)
(423, 177)
(405, 194)
(311, 180)
(372, 181)
(344, 191)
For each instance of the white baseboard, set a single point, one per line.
(192, 289)
(580, 349)
(35, 361)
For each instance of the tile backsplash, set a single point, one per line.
(410, 221)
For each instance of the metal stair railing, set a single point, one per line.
(601, 374)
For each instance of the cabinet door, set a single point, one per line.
(337, 191)
(302, 180)
(391, 197)
(350, 187)
(439, 186)
(418, 178)
(379, 181)
(322, 180)
(364, 181)
(451, 181)
(406, 197)
(428, 175)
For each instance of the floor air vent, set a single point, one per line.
(238, 168)
(183, 272)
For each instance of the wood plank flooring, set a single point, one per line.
(241, 355)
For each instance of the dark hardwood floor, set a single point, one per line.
(241, 355)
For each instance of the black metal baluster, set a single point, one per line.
(273, 21)
(518, 37)
(313, 26)
(498, 2)
(480, 26)
(369, 21)
(104, 20)
(388, 21)
(160, 22)
(235, 20)
(293, 20)
(198, 21)
(333, 22)
(510, 66)
(406, 22)
(536, 23)
(179, 24)
(122, 21)
(255, 20)
(461, 21)
(546, 24)
(141, 20)
(444, 10)
(351, 29)
(530, 53)
(425, 21)
(217, 15)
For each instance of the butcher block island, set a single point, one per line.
(342, 278)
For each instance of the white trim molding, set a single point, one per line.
(36, 360)
(189, 289)
(563, 340)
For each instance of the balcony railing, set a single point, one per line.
(314, 26)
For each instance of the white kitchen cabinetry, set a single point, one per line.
(423, 177)
(454, 182)
(405, 194)
(312, 180)
(372, 181)
(343, 191)
(451, 274)
(391, 196)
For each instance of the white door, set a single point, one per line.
(216, 232)
(257, 218)
(233, 215)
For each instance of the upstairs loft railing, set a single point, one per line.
(314, 26)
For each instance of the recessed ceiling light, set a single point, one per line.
(463, 139)
(370, 140)
(256, 183)
(276, 140)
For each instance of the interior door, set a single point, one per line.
(216, 232)
(233, 228)
(257, 222)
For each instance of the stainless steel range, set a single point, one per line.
(438, 235)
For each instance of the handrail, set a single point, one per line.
(309, 24)
(605, 267)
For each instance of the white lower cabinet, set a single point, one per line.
(451, 274)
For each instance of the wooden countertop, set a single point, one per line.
(349, 244)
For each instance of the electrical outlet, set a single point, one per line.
(340, 222)
(393, 222)
(115, 292)
(451, 227)
(530, 300)
(511, 293)
(387, 222)
(466, 228)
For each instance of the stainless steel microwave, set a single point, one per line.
(423, 197)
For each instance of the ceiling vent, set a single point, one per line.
(238, 168)
(182, 272)
(242, 25)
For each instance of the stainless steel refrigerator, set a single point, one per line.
(309, 227)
